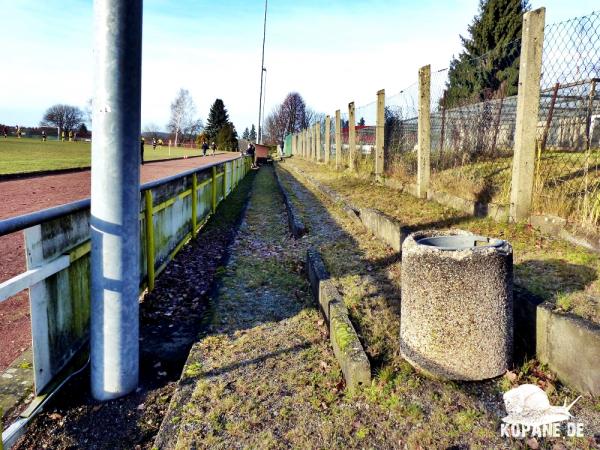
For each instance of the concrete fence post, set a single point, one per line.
(312, 143)
(379, 134)
(313, 131)
(318, 141)
(528, 101)
(338, 139)
(351, 137)
(327, 138)
(424, 132)
(304, 143)
(115, 199)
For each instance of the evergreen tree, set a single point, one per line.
(489, 62)
(227, 138)
(217, 119)
(252, 136)
(246, 134)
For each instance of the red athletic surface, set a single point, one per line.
(32, 194)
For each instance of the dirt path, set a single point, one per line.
(31, 194)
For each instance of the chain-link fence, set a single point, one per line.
(365, 128)
(567, 172)
(473, 124)
(473, 111)
(345, 156)
(400, 135)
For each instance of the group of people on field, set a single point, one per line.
(18, 132)
(205, 148)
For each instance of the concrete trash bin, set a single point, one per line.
(457, 304)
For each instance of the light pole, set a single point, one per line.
(262, 70)
(264, 102)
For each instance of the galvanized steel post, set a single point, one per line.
(115, 227)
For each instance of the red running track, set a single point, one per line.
(22, 196)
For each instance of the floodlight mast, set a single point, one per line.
(262, 71)
(114, 221)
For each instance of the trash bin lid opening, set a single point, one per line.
(460, 242)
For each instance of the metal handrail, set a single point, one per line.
(18, 223)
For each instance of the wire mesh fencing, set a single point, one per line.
(365, 128)
(567, 170)
(345, 156)
(400, 135)
(473, 121)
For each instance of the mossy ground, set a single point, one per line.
(546, 266)
(268, 378)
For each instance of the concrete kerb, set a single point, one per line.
(297, 226)
(384, 227)
(568, 344)
(345, 342)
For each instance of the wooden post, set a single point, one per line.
(327, 138)
(351, 137)
(338, 139)
(224, 180)
(424, 132)
(194, 204)
(528, 101)
(379, 134)
(148, 214)
(213, 186)
(318, 141)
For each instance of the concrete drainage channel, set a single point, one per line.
(344, 340)
(346, 346)
(568, 344)
(297, 226)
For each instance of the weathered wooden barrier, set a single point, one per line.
(57, 242)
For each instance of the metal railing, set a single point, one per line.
(57, 241)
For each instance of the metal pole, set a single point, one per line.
(264, 102)
(262, 69)
(115, 200)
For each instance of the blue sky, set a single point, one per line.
(332, 52)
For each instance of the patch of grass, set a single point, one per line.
(564, 302)
(193, 370)
(465, 420)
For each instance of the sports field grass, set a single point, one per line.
(32, 155)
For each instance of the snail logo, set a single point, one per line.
(531, 414)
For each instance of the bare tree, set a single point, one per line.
(151, 130)
(64, 117)
(291, 116)
(182, 122)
